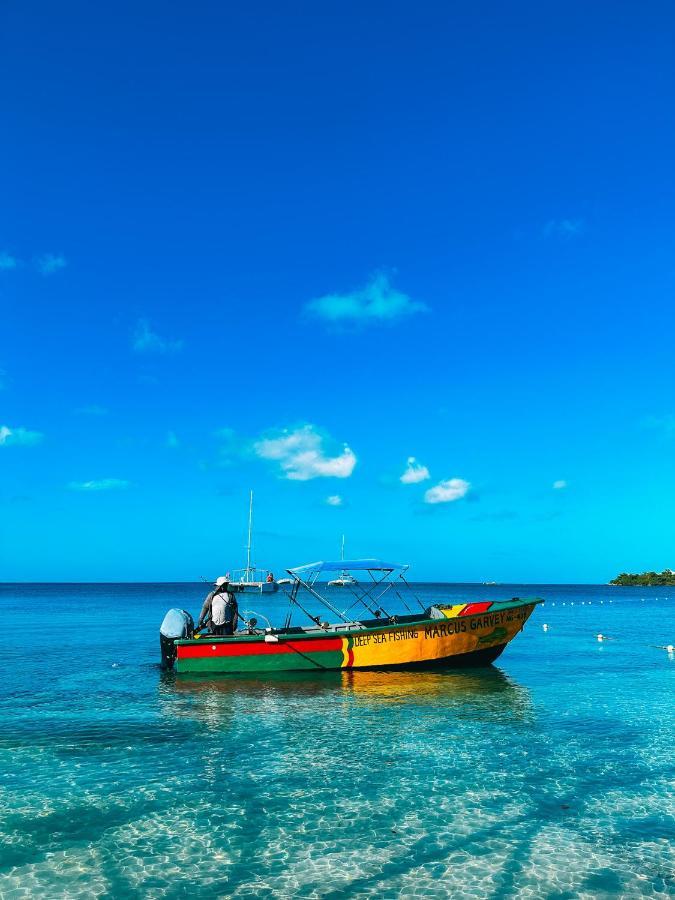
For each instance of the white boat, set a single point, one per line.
(344, 579)
(251, 579)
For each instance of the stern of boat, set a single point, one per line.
(176, 625)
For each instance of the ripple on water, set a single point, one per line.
(555, 780)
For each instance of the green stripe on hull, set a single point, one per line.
(281, 662)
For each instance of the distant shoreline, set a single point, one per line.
(501, 584)
(645, 579)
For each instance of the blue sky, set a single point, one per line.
(291, 247)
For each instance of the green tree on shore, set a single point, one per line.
(645, 579)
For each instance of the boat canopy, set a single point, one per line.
(384, 579)
(356, 565)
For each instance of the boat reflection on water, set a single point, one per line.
(481, 694)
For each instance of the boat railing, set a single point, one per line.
(242, 575)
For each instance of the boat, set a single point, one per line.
(344, 579)
(251, 579)
(471, 633)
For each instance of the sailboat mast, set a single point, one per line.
(342, 557)
(250, 528)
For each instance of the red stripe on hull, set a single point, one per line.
(472, 608)
(258, 648)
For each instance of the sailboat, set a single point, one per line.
(344, 579)
(252, 579)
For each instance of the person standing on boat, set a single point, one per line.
(231, 610)
(220, 609)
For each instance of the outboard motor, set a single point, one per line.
(177, 624)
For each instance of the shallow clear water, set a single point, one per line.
(551, 774)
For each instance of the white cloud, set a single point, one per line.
(378, 301)
(447, 491)
(301, 455)
(103, 484)
(145, 340)
(335, 500)
(559, 485)
(49, 263)
(8, 262)
(19, 437)
(564, 228)
(415, 472)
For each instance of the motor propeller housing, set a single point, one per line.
(177, 623)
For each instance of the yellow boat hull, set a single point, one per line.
(464, 634)
(441, 640)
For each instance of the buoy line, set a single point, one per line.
(669, 648)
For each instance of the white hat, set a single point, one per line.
(221, 581)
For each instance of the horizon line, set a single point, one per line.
(421, 581)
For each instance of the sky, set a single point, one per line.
(405, 270)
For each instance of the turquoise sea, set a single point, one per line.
(549, 775)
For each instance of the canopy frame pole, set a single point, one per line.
(368, 594)
(388, 586)
(309, 587)
(403, 601)
(376, 583)
(361, 599)
(391, 585)
(407, 584)
(291, 601)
